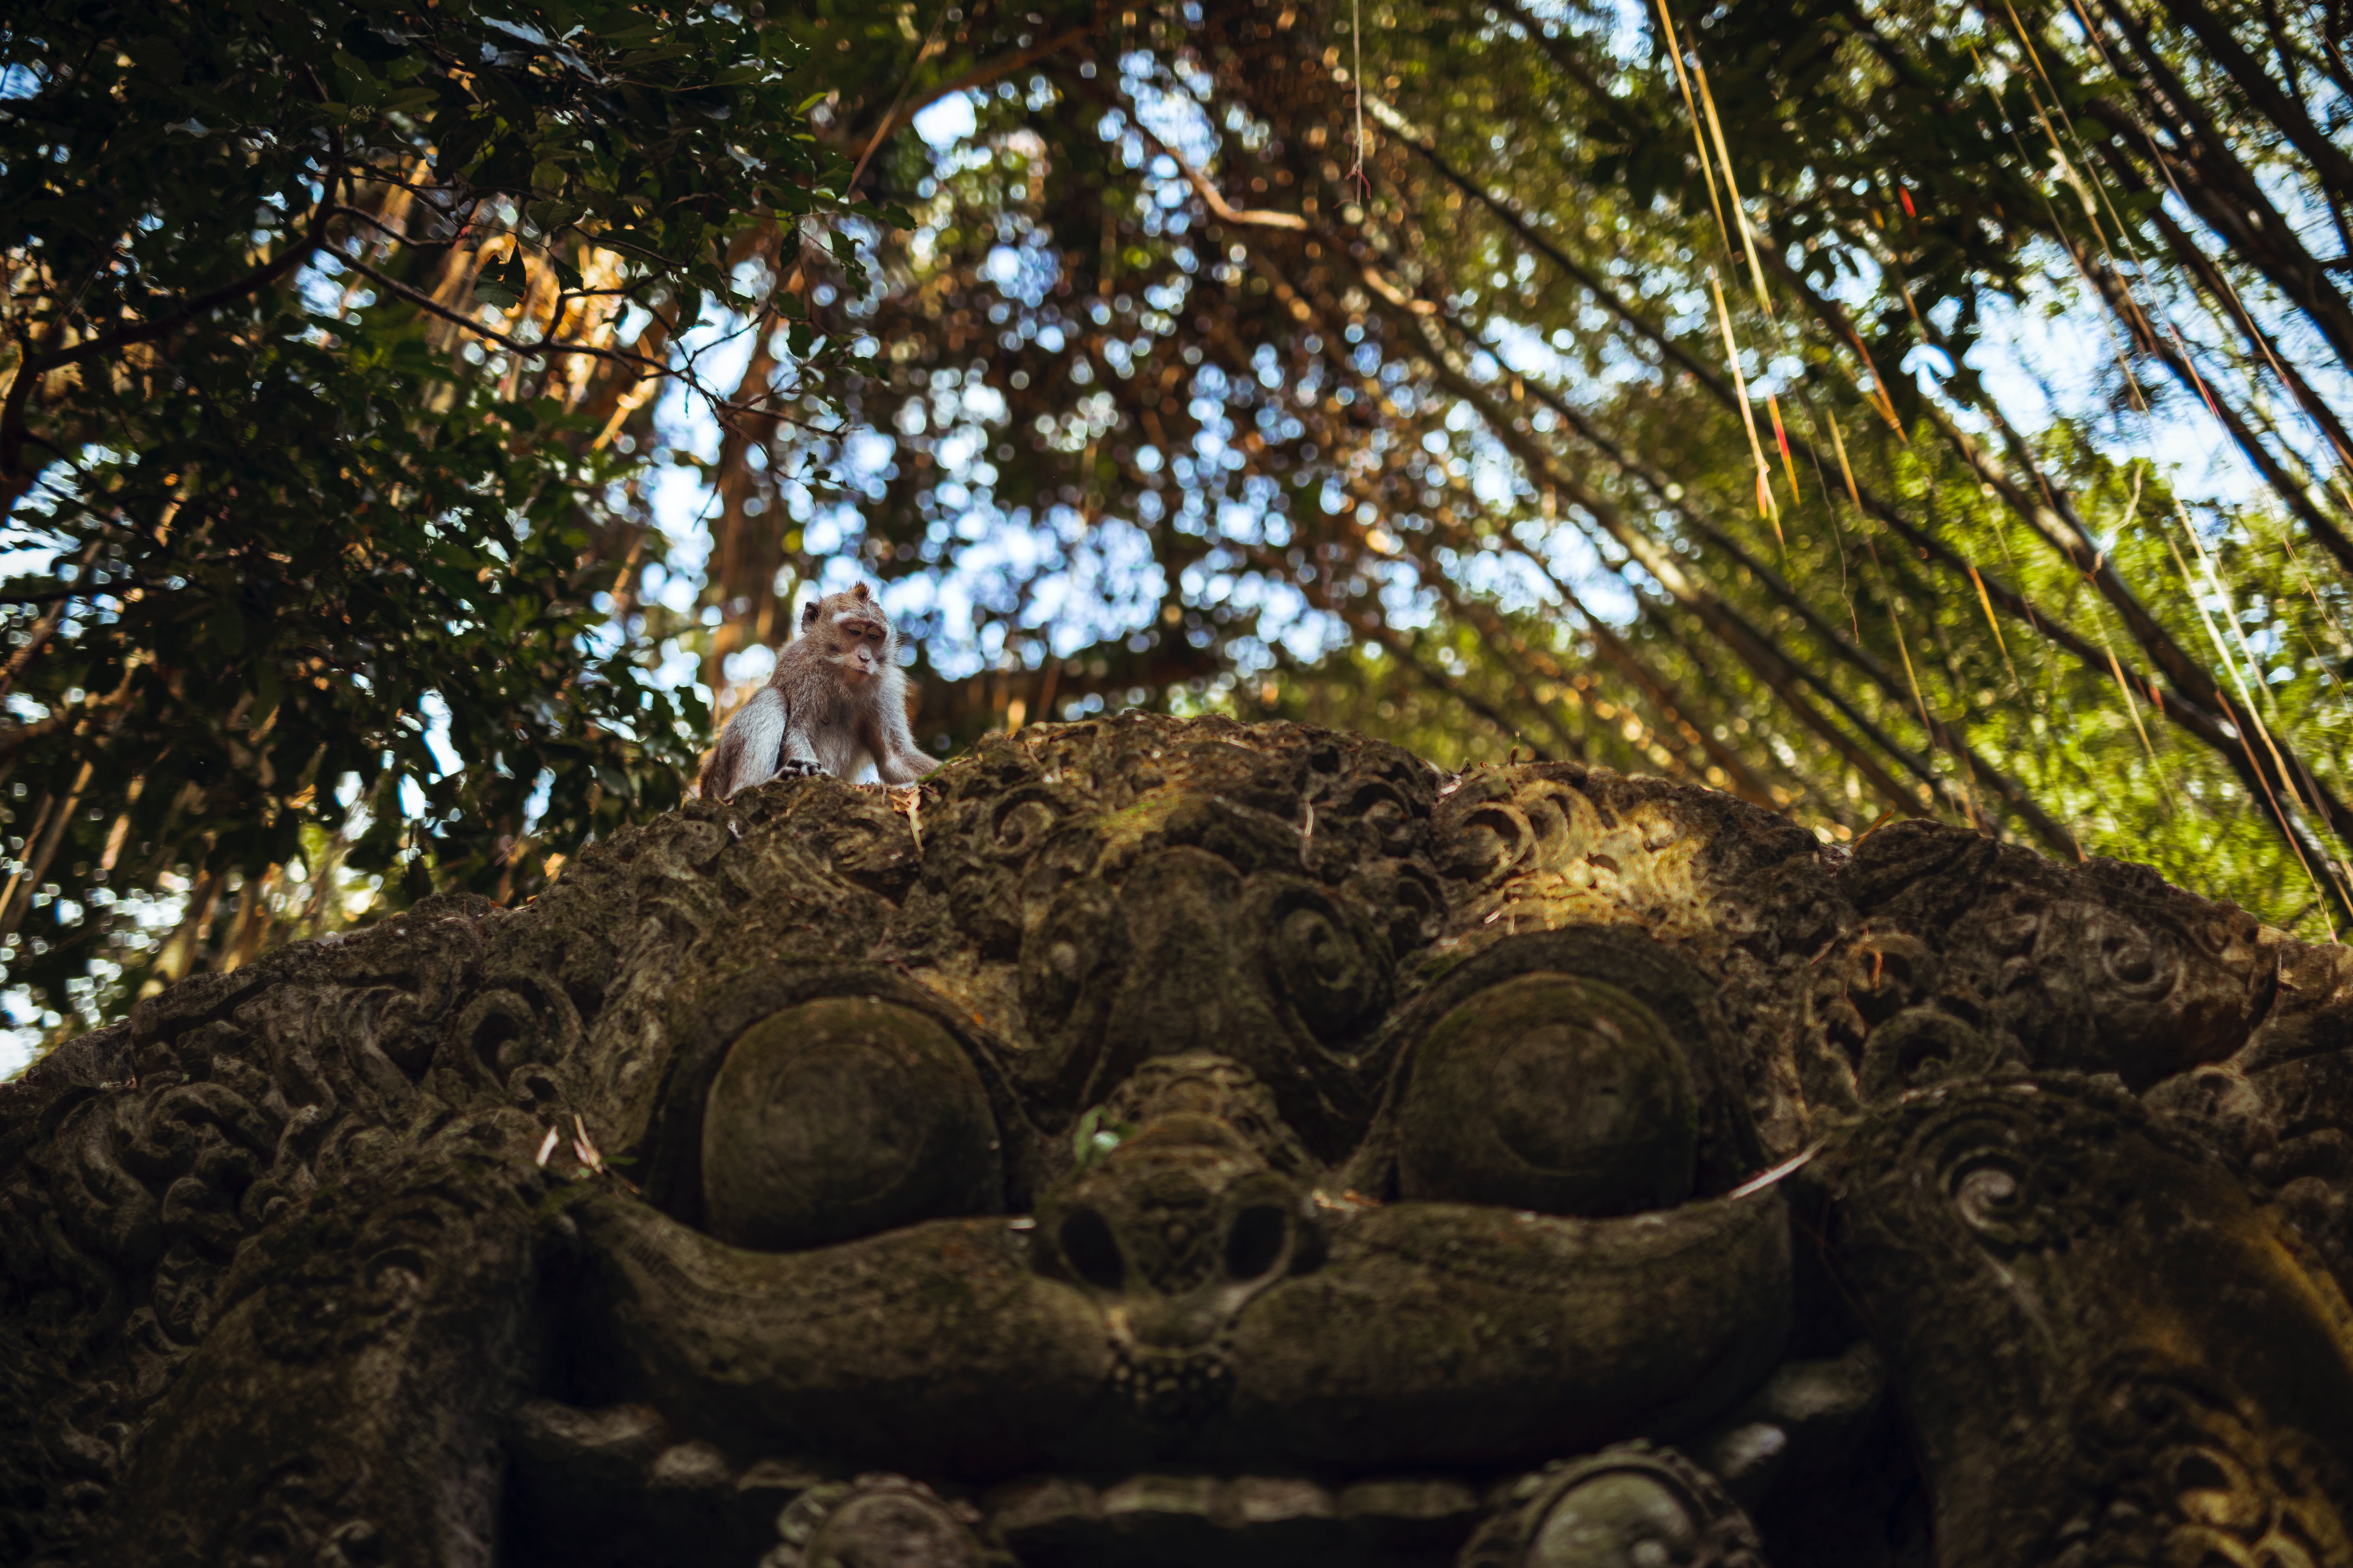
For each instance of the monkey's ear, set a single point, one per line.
(808, 614)
(860, 591)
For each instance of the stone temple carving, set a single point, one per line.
(1180, 1142)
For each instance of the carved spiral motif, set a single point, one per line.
(2185, 1475)
(1991, 1193)
(1385, 813)
(516, 1026)
(2010, 1181)
(1068, 945)
(326, 1305)
(1321, 965)
(1491, 842)
(1021, 823)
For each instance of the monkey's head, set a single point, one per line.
(852, 632)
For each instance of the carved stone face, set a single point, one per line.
(1178, 1143)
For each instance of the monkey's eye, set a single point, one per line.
(843, 1118)
(1554, 1093)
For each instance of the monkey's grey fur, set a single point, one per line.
(836, 701)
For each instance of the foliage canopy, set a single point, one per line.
(1927, 406)
(321, 322)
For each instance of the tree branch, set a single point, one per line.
(33, 368)
(47, 626)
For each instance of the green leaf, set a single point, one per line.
(633, 239)
(224, 628)
(159, 58)
(624, 25)
(213, 106)
(268, 693)
(502, 283)
(503, 167)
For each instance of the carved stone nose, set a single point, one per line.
(1173, 1235)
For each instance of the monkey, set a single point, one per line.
(836, 701)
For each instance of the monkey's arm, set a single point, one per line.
(893, 743)
(798, 751)
(905, 765)
(749, 749)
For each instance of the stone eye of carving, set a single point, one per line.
(1255, 1242)
(1092, 1251)
(1162, 1251)
(842, 1118)
(1553, 1093)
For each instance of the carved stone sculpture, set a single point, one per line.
(1181, 1142)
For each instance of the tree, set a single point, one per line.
(325, 332)
(1585, 298)
(1504, 379)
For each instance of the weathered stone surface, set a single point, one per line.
(1182, 1142)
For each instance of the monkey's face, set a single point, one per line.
(851, 633)
(860, 646)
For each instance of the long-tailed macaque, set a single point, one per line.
(836, 701)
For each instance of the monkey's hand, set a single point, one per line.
(792, 769)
